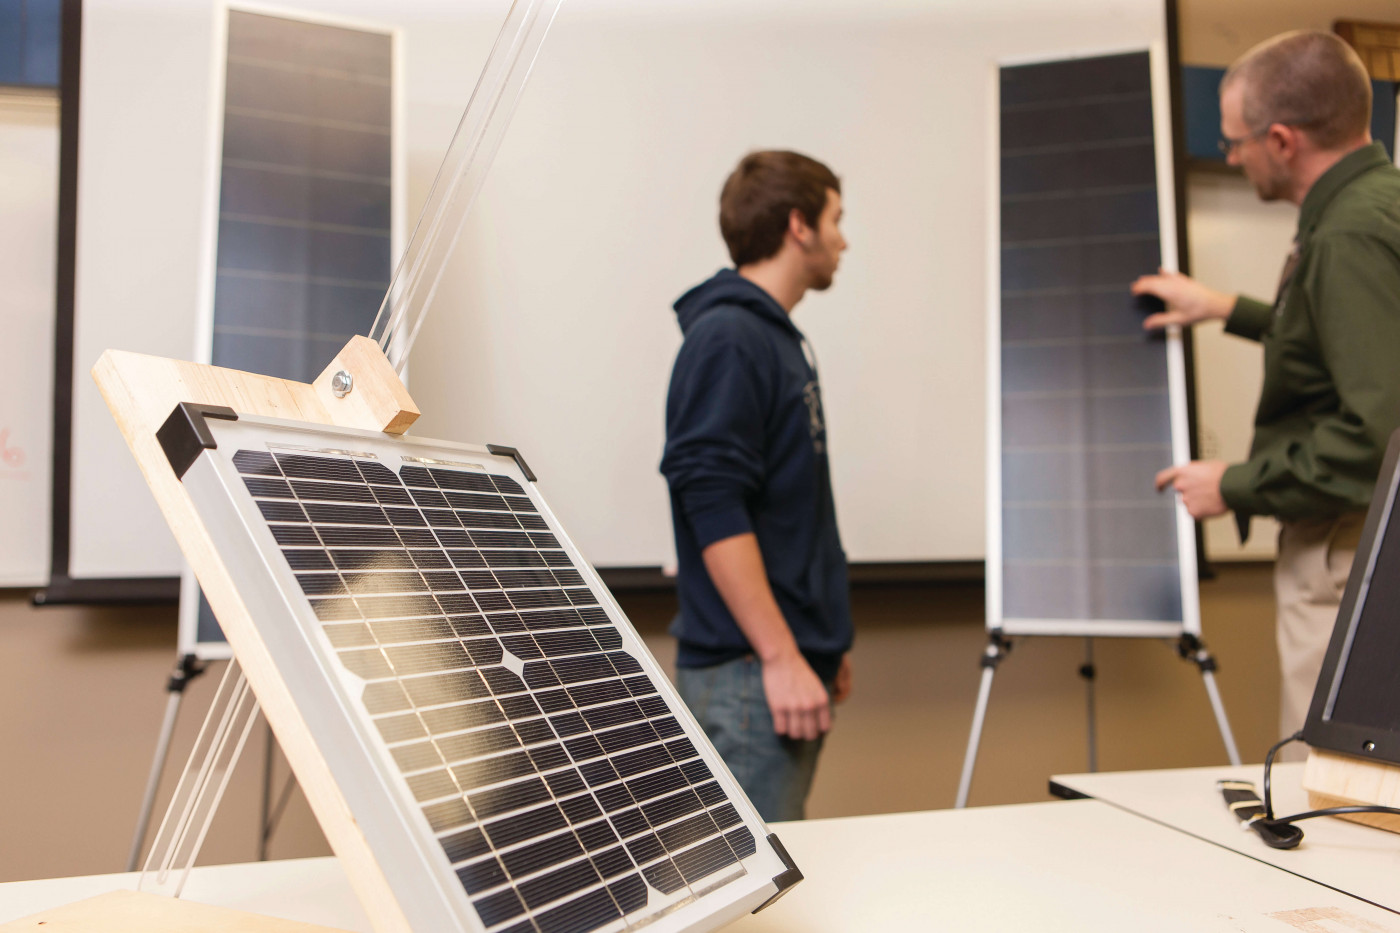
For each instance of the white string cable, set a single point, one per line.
(460, 178)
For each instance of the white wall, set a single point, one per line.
(553, 330)
(28, 246)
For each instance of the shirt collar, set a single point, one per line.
(1332, 181)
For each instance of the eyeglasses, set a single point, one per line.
(1228, 145)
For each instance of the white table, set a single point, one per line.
(312, 890)
(1078, 866)
(1349, 857)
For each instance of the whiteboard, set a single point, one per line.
(28, 249)
(553, 331)
(601, 210)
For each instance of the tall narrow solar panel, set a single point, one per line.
(305, 237)
(499, 741)
(305, 206)
(1087, 407)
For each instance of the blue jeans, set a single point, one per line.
(728, 702)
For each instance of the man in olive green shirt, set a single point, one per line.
(1295, 116)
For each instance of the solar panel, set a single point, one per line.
(507, 752)
(306, 192)
(1087, 407)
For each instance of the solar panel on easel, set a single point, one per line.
(1085, 401)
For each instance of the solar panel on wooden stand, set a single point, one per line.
(543, 767)
(485, 741)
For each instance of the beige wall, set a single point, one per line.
(83, 693)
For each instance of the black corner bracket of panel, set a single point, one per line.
(514, 454)
(1066, 793)
(1190, 648)
(785, 879)
(998, 647)
(185, 435)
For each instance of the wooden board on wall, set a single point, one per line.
(1378, 44)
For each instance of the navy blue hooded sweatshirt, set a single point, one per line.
(746, 451)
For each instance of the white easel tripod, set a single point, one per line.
(1188, 645)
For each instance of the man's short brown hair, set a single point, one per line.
(760, 195)
(1311, 80)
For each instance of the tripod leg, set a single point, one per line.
(1220, 719)
(272, 812)
(978, 717)
(283, 798)
(1088, 672)
(997, 648)
(1191, 648)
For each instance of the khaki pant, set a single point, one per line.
(1314, 560)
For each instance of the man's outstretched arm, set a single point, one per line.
(798, 701)
(1187, 301)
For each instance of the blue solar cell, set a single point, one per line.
(538, 749)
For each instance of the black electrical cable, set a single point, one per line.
(1279, 832)
(1269, 770)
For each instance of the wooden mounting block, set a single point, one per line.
(377, 401)
(1333, 780)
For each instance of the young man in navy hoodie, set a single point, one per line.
(765, 618)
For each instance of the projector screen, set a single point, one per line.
(553, 331)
